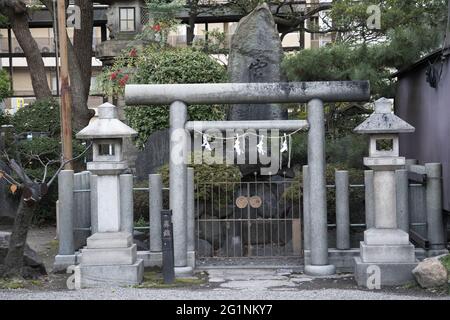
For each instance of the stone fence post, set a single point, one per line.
(66, 252)
(191, 217)
(402, 200)
(306, 216)
(155, 208)
(369, 199)
(126, 203)
(434, 206)
(342, 211)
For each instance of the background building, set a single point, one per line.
(115, 26)
(423, 100)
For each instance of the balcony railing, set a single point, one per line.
(46, 45)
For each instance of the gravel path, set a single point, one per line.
(215, 294)
(224, 284)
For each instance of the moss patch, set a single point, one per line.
(13, 284)
(446, 262)
(153, 279)
(411, 285)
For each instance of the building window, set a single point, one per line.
(127, 20)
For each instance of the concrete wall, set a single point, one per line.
(428, 110)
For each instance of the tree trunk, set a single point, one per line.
(80, 68)
(81, 71)
(190, 34)
(193, 13)
(82, 41)
(80, 92)
(19, 24)
(13, 264)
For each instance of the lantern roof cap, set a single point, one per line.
(383, 120)
(107, 126)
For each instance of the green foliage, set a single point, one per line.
(357, 195)
(5, 85)
(350, 17)
(41, 116)
(340, 62)
(207, 174)
(409, 29)
(346, 152)
(155, 65)
(214, 42)
(162, 22)
(4, 119)
(177, 65)
(446, 262)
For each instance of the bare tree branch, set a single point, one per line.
(19, 171)
(63, 163)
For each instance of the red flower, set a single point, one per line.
(133, 53)
(114, 76)
(124, 80)
(157, 28)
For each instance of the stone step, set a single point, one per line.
(114, 256)
(388, 254)
(380, 237)
(108, 240)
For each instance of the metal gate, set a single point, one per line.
(249, 219)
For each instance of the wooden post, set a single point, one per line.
(66, 101)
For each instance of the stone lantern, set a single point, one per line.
(110, 257)
(386, 251)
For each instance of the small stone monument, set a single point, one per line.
(110, 257)
(387, 257)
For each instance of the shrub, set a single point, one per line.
(357, 195)
(5, 85)
(209, 174)
(345, 152)
(41, 116)
(4, 119)
(156, 65)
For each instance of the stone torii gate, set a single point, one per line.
(313, 93)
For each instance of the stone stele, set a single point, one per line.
(255, 57)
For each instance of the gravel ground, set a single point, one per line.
(215, 294)
(224, 284)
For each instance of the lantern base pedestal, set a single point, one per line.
(390, 274)
(112, 276)
(387, 258)
(110, 260)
